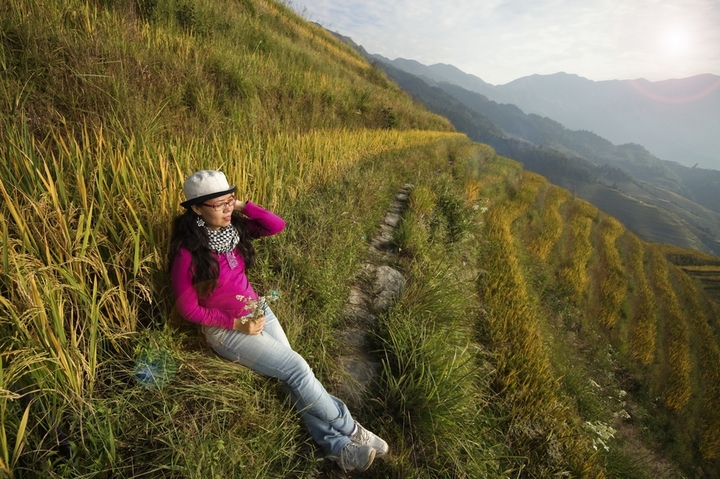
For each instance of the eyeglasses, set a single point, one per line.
(221, 206)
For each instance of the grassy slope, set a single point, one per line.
(108, 105)
(190, 69)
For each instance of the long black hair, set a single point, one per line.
(205, 269)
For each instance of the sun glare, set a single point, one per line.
(675, 42)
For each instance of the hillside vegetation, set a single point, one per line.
(661, 201)
(536, 337)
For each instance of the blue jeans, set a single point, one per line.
(269, 353)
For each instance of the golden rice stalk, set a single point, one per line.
(643, 330)
(708, 354)
(551, 223)
(525, 380)
(574, 274)
(613, 285)
(678, 387)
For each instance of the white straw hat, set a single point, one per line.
(203, 185)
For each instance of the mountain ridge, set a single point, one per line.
(625, 181)
(664, 116)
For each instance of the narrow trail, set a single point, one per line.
(376, 289)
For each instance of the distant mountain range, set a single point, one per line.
(676, 120)
(661, 201)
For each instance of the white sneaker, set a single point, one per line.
(355, 456)
(362, 436)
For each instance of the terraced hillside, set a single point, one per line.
(535, 336)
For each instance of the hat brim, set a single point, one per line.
(201, 199)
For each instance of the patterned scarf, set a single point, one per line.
(224, 241)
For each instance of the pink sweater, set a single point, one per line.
(221, 306)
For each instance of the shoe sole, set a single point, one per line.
(373, 454)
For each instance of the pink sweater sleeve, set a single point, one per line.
(262, 222)
(186, 298)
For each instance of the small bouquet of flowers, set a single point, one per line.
(257, 306)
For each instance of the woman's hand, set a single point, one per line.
(239, 205)
(249, 325)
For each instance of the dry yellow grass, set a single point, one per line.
(574, 274)
(551, 224)
(526, 380)
(473, 188)
(708, 354)
(613, 284)
(677, 337)
(644, 320)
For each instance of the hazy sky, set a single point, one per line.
(502, 40)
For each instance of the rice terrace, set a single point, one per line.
(535, 336)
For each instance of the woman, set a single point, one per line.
(211, 248)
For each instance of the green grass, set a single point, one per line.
(107, 106)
